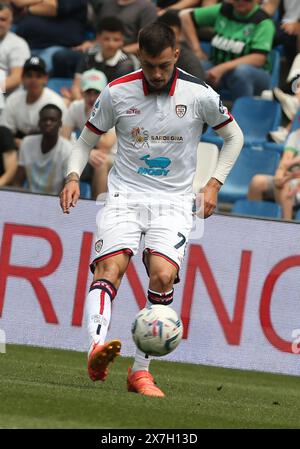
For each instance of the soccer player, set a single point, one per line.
(158, 112)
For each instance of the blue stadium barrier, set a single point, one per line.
(57, 84)
(250, 162)
(255, 116)
(275, 74)
(297, 216)
(85, 190)
(257, 208)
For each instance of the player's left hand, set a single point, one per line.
(210, 192)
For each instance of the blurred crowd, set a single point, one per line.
(56, 56)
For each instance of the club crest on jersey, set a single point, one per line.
(98, 246)
(181, 110)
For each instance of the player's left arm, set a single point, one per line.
(211, 110)
(233, 142)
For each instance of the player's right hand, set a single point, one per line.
(69, 196)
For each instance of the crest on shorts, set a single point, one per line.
(98, 246)
(181, 110)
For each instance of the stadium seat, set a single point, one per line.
(207, 158)
(250, 162)
(57, 84)
(255, 116)
(280, 146)
(257, 208)
(85, 190)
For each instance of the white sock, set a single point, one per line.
(142, 360)
(98, 311)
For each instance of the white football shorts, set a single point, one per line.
(164, 223)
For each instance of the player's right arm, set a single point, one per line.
(77, 161)
(101, 120)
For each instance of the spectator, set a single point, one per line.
(13, 51)
(43, 158)
(52, 25)
(134, 14)
(278, 187)
(21, 113)
(8, 157)
(287, 26)
(92, 83)
(240, 47)
(187, 60)
(107, 56)
(290, 104)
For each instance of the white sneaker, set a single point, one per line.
(279, 135)
(289, 103)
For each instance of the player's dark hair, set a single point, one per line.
(156, 37)
(4, 5)
(53, 107)
(110, 23)
(170, 18)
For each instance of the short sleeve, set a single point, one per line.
(8, 116)
(211, 110)
(69, 119)
(18, 54)
(206, 16)
(263, 37)
(102, 117)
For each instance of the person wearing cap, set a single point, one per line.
(21, 113)
(101, 158)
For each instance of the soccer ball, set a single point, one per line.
(157, 330)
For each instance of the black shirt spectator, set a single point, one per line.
(119, 65)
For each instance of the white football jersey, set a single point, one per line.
(158, 133)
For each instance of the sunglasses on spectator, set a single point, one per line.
(246, 1)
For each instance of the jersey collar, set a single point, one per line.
(168, 89)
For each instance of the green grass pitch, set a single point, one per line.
(46, 388)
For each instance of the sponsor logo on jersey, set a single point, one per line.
(177, 139)
(228, 45)
(180, 110)
(140, 137)
(156, 166)
(98, 246)
(133, 111)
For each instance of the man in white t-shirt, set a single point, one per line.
(101, 158)
(21, 113)
(14, 50)
(43, 157)
(159, 113)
